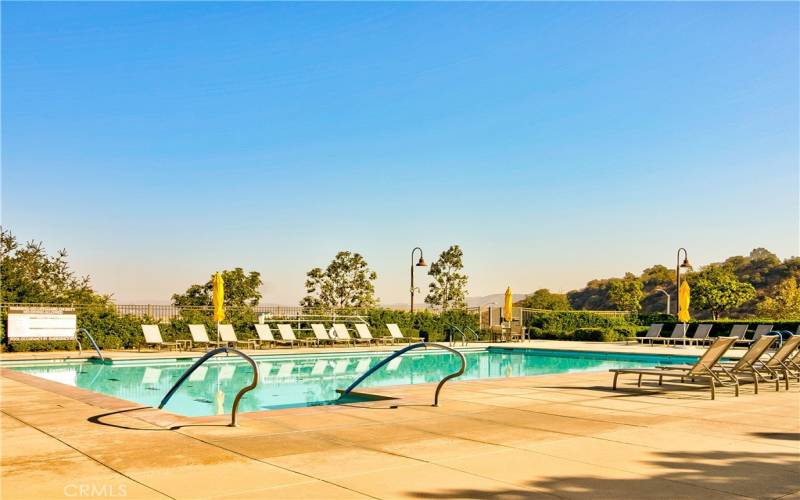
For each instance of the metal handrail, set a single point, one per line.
(91, 339)
(202, 360)
(464, 340)
(405, 350)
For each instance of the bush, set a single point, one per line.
(596, 335)
(115, 331)
(569, 321)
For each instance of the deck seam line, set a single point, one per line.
(85, 454)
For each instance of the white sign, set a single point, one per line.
(36, 326)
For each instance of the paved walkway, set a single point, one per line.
(566, 436)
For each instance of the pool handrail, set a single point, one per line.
(91, 339)
(203, 359)
(405, 350)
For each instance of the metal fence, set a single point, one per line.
(494, 315)
(488, 316)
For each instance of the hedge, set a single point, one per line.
(114, 331)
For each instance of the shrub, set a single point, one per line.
(596, 335)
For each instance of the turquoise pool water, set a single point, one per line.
(294, 380)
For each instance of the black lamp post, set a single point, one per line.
(678, 266)
(421, 263)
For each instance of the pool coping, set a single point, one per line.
(165, 419)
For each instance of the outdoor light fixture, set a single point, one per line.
(684, 267)
(421, 263)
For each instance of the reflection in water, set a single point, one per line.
(306, 380)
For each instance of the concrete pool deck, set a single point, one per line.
(566, 436)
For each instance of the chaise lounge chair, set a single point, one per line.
(760, 330)
(652, 333)
(152, 338)
(286, 333)
(780, 361)
(678, 334)
(228, 336)
(341, 333)
(701, 333)
(704, 369)
(362, 330)
(747, 364)
(396, 335)
(321, 335)
(200, 337)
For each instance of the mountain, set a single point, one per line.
(496, 299)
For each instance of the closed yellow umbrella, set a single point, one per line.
(507, 306)
(683, 302)
(218, 297)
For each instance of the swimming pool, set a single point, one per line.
(304, 380)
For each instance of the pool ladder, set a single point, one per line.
(464, 339)
(405, 350)
(91, 339)
(206, 357)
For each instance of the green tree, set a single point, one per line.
(241, 289)
(784, 304)
(346, 282)
(715, 289)
(30, 275)
(448, 288)
(626, 294)
(657, 276)
(545, 299)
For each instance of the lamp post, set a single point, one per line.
(421, 263)
(678, 266)
(665, 293)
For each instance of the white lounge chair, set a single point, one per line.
(341, 333)
(286, 333)
(152, 338)
(362, 330)
(396, 335)
(323, 336)
(678, 335)
(228, 336)
(200, 337)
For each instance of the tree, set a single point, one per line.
(784, 304)
(30, 275)
(346, 282)
(241, 289)
(545, 299)
(626, 294)
(716, 289)
(448, 288)
(657, 276)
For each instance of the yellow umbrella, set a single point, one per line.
(218, 297)
(507, 306)
(683, 302)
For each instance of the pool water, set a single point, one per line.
(305, 380)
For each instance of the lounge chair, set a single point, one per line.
(780, 361)
(747, 365)
(739, 331)
(793, 364)
(321, 335)
(701, 333)
(362, 330)
(200, 337)
(152, 338)
(678, 334)
(264, 336)
(704, 369)
(652, 333)
(396, 334)
(341, 333)
(286, 333)
(228, 336)
(760, 330)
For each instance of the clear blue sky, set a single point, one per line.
(555, 142)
